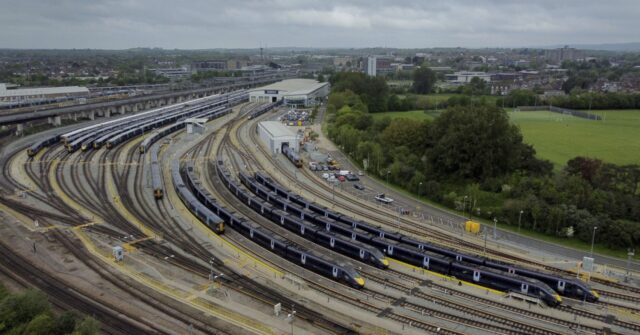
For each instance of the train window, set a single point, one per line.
(561, 285)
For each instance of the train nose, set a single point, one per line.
(385, 262)
(359, 281)
(595, 294)
(558, 298)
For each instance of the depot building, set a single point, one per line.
(274, 135)
(294, 92)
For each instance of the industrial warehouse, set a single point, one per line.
(294, 92)
(274, 135)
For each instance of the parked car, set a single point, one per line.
(358, 187)
(383, 198)
(360, 173)
(341, 178)
(352, 177)
(325, 175)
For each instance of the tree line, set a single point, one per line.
(30, 313)
(471, 157)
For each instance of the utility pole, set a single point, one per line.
(630, 255)
(495, 227)
(593, 239)
(520, 220)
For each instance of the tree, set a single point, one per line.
(474, 143)
(88, 326)
(42, 324)
(423, 80)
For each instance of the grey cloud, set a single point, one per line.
(348, 23)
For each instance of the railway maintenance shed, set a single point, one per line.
(294, 92)
(274, 134)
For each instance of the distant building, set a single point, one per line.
(173, 73)
(557, 56)
(466, 76)
(377, 65)
(209, 65)
(40, 93)
(235, 64)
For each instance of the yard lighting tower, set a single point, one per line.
(593, 240)
(520, 220)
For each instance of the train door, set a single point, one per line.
(334, 272)
(390, 250)
(425, 262)
(361, 253)
(273, 244)
(476, 276)
(511, 271)
(458, 258)
(301, 230)
(282, 219)
(561, 286)
(303, 258)
(524, 288)
(353, 236)
(332, 242)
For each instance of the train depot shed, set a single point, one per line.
(274, 134)
(294, 92)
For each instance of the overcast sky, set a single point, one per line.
(201, 24)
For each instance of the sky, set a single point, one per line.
(203, 24)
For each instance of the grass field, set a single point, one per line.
(558, 137)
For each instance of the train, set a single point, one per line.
(321, 264)
(156, 175)
(34, 148)
(291, 155)
(568, 287)
(200, 210)
(311, 231)
(264, 108)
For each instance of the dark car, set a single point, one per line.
(352, 177)
(358, 187)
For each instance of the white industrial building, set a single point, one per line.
(294, 92)
(274, 134)
(466, 76)
(41, 93)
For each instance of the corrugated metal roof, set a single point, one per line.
(277, 129)
(43, 91)
(293, 86)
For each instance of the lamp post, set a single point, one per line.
(464, 205)
(630, 254)
(420, 189)
(520, 220)
(593, 240)
(495, 227)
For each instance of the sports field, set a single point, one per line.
(558, 138)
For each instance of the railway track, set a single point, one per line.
(516, 327)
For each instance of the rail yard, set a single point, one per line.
(181, 220)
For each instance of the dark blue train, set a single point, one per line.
(341, 272)
(569, 287)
